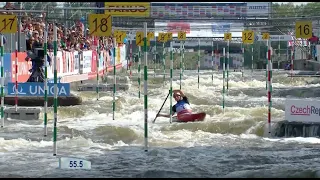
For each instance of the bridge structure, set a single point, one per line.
(258, 17)
(218, 17)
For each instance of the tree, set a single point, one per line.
(293, 12)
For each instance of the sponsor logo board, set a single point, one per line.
(302, 110)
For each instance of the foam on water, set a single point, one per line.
(94, 132)
(308, 140)
(15, 144)
(131, 114)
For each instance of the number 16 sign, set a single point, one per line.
(304, 29)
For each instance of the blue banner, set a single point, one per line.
(221, 28)
(37, 89)
(7, 65)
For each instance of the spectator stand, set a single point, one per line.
(11, 26)
(35, 30)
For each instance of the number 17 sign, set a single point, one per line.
(8, 24)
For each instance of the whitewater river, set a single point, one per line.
(224, 145)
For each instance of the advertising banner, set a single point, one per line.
(126, 12)
(175, 27)
(23, 67)
(68, 65)
(123, 56)
(94, 61)
(274, 38)
(7, 68)
(101, 60)
(87, 57)
(197, 10)
(76, 61)
(207, 29)
(37, 89)
(108, 58)
(302, 110)
(221, 28)
(260, 9)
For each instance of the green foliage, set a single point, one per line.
(291, 10)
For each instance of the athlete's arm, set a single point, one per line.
(164, 115)
(168, 115)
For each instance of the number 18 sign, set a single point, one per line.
(100, 24)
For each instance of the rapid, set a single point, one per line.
(230, 144)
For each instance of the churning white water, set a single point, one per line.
(230, 144)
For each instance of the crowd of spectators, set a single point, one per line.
(68, 39)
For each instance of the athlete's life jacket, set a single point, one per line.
(183, 107)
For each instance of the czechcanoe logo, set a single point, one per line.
(304, 111)
(129, 12)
